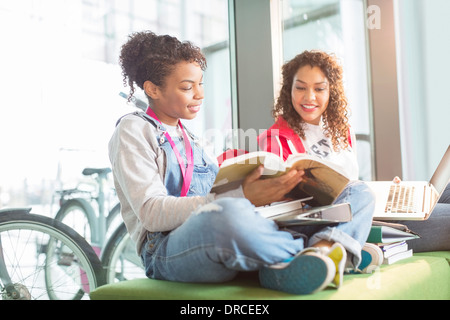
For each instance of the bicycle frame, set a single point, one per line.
(99, 223)
(101, 178)
(5, 279)
(83, 214)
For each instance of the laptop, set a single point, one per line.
(410, 200)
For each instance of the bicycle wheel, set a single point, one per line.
(119, 257)
(35, 246)
(79, 215)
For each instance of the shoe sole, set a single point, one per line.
(339, 257)
(376, 256)
(306, 274)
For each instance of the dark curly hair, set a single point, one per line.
(335, 116)
(147, 56)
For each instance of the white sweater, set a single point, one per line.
(318, 144)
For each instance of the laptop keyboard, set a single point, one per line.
(401, 199)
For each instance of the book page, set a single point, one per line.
(320, 181)
(236, 169)
(293, 158)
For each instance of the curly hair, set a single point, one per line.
(335, 120)
(147, 56)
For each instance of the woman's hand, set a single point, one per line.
(262, 192)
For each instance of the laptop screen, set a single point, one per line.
(441, 176)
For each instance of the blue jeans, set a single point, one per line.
(227, 236)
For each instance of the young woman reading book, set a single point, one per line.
(311, 117)
(163, 179)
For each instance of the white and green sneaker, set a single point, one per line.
(371, 258)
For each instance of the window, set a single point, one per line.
(61, 83)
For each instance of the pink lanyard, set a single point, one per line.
(186, 172)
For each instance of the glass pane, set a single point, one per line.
(61, 83)
(335, 26)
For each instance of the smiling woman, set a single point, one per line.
(186, 81)
(310, 94)
(314, 79)
(311, 112)
(336, 26)
(174, 89)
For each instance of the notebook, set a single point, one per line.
(410, 200)
(283, 207)
(329, 215)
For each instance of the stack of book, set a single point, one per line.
(392, 240)
(396, 251)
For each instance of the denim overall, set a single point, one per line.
(227, 236)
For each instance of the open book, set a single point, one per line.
(322, 180)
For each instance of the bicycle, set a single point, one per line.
(42, 258)
(77, 211)
(119, 258)
(117, 253)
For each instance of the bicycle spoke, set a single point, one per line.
(41, 261)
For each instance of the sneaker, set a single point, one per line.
(306, 273)
(338, 254)
(371, 258)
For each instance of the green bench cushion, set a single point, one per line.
(443, 254)
(423, 276)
